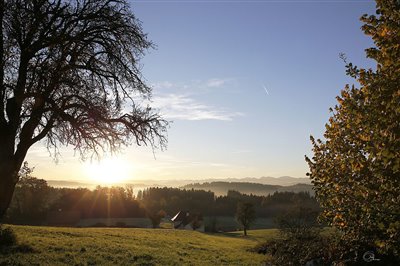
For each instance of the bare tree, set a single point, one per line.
(245, 215)
(69, 75)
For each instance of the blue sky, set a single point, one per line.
(244, 82)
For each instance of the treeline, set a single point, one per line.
(171, 200)
(35, 202)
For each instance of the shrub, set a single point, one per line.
(295, 251)
(322, 249)
(299, 223)
(24, 248)
(99, 224)
(120, 224)
(197, 221)
(301, 240)
(156, 217)
(7, 237)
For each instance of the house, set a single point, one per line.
(187, 221)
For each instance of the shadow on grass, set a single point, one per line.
(257, 233)
(236, 234)
(144, 259)
(224, 234)
(9, 243)
(22, 248)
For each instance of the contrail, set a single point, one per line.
(265, 88)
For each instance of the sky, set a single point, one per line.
(245, 84)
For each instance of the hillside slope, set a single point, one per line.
(115, 246)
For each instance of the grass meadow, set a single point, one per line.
(132, 246)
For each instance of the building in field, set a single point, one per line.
(188, 221)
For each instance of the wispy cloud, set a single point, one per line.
(194, 85)
(177, 100)
(217, 82)
(163, 85)
(182, 107)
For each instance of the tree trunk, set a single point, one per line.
(8, 180)
(10, 165)
(245, 230)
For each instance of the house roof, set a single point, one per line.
(180, 216)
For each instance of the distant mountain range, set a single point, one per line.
(70, 184)
(222, 188)
(281, 181)
(277, 181)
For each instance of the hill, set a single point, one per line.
(116, 246)
(141, 184)
(268, 180)
(221, 188)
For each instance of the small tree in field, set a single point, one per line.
(69, 75)
(156, 217)
(197, 221)
(245, 215)
(356, 169)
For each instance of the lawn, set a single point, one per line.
(131, 246)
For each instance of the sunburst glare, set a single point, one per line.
(109, 171)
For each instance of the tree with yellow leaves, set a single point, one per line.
(356, 168)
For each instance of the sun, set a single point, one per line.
(109, 171)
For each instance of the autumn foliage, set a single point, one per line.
(356, 168)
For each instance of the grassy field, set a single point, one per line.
(128, 246)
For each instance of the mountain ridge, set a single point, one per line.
(222, 188)
(265, 180)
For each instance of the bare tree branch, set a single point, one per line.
(69, 73)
